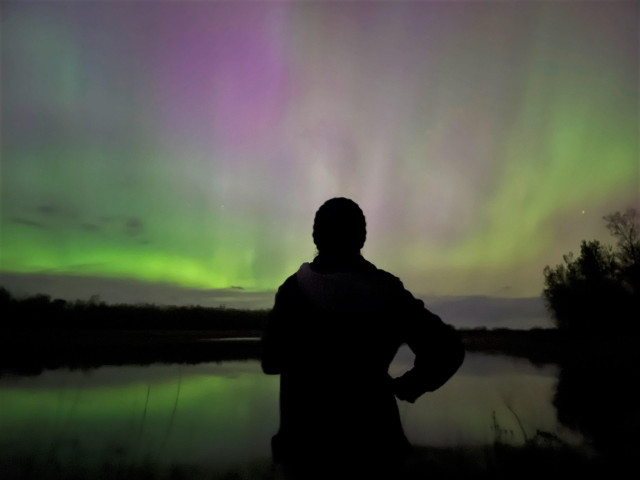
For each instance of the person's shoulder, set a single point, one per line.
(291, 284)
(382, 275)
(288, 294)
(387, 282)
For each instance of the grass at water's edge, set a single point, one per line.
(497, 461)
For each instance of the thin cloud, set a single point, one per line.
(133, 226)
(29, 223)
(47, 209)
(90, 227)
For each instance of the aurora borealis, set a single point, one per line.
(188, 144)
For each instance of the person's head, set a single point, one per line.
(339, 228)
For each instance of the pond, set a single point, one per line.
(217, 415)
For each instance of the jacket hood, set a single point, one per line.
(357, 291)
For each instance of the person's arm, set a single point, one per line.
(273, 336)
(437, 347)
(271, 346)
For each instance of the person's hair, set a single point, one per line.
(339, 227)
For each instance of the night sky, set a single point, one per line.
(184, 147)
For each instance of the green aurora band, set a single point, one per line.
(191, 144)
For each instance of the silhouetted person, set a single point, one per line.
(336, 325)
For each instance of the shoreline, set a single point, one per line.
(30, 351)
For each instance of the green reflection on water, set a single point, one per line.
(205, 417)
(220, 415)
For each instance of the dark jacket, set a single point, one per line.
(331, 336)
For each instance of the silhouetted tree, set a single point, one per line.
(624, 227)
(5, 297)
(599, 291)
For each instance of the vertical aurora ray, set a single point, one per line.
(192, 143)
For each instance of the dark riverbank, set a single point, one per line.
(30, 350)
(43, 333)
(496, 462)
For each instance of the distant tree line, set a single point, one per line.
(41, 311)
(598, 292)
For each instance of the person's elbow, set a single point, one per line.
(270, 367)
(448, 355)
(270, 361)
(457, 359)
(456, 351)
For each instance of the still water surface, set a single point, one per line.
(222, 414)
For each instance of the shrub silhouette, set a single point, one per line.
(599, 291)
